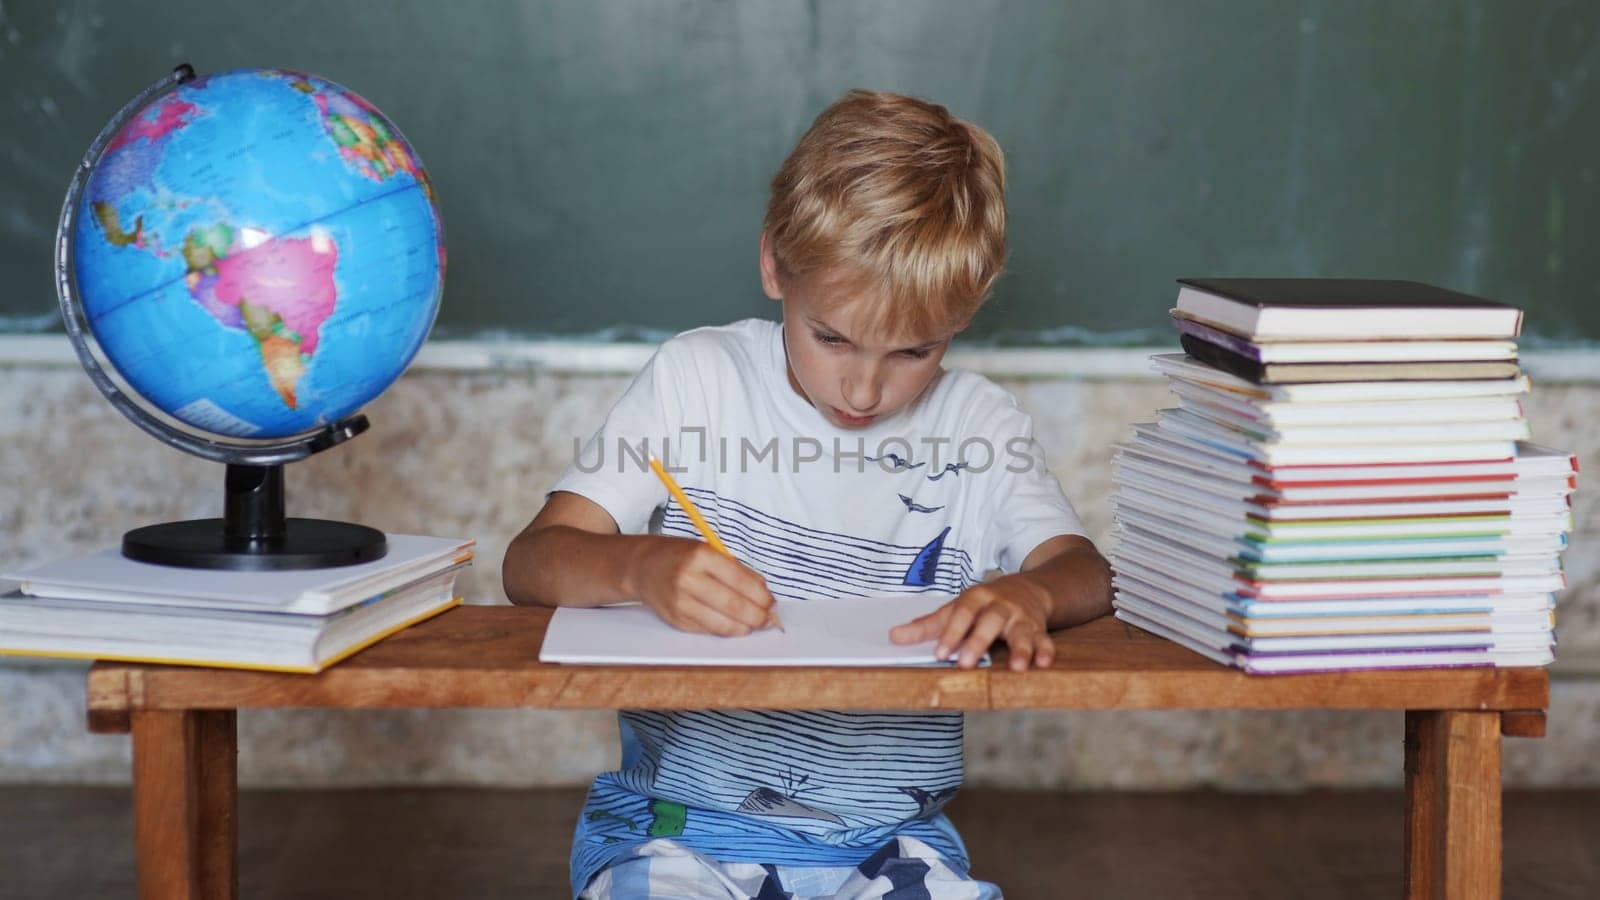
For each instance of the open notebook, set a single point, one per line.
(852, 631)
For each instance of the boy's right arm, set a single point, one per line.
(571, 554)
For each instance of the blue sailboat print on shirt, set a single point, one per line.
(922, 569)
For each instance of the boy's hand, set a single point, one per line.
(694, 588)
(1010, 607)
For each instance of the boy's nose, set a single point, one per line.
(861, 390)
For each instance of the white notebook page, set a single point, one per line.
(833, 632)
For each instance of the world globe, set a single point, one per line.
(258, 252)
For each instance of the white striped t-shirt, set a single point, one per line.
(926, 500)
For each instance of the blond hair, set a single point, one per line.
(897, 202)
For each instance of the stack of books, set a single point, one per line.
(1346, 483)
(105, 606)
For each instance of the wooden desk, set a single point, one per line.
(185, 740)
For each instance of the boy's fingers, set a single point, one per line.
(731, 603)
(1044, 655)
(1044, 646)
(676, 614)
(743, 579)
(1025, 640)
(955, 628)
(984, 631)
(1020, 643)
(921, 628)
(709, 619)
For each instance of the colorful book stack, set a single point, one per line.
(1346, 483)
(105, 606)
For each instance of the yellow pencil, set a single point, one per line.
(700, 522)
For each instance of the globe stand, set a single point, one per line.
(253, 533)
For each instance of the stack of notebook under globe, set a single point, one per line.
(1346, 483)
(105, 606)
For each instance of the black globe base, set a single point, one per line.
(253, 533)
(205, 544)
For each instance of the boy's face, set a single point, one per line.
(852, 378)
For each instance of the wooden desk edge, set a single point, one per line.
(1475, 690)
(110, 705)
(1529, 723)
(114, 690)
(485, 656)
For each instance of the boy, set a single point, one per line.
(833, 456)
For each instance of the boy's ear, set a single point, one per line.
(769, 270)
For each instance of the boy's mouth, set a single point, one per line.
(844, 418)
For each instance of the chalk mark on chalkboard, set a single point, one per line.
(24, 324)
(1567, 88)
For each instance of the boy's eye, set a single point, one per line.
(831, 340)
(919, 353)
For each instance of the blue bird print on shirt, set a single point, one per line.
(948, 468)
(914, 506)
(896, 462)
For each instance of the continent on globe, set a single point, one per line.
(167, 116)
(130, 162)
(111, 222)
(364, 139)
(280, 290)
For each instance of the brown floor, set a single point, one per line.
(61, 843)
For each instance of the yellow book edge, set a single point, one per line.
(294, 670)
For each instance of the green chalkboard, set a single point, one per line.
(602, 166)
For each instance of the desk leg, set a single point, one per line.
(1453, 830)
(185, 804)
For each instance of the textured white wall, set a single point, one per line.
(471, 453)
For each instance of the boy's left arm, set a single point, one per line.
(1063, 582)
